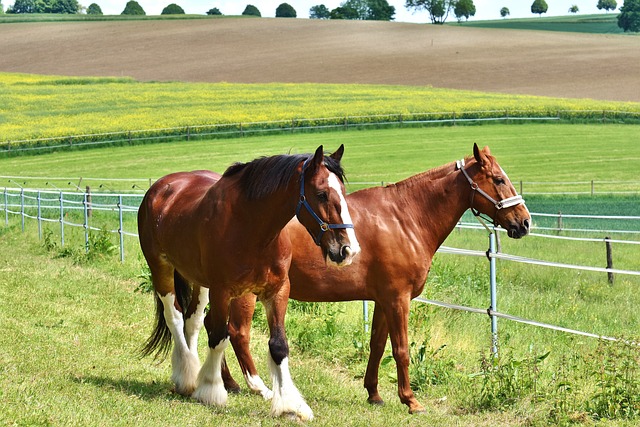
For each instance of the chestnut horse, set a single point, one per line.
(400, 228)
(224, 235)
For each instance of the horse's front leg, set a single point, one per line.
(286, 397)
(210, 389)
(379, 334)
(240, 316)
(194, 316)
(397, 315)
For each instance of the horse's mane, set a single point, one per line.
(265, 175)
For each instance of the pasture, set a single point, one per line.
(88, 318)
(73, 320)
(595, 24)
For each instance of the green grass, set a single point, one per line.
(532, 153)
(72, 323)
(597, 24)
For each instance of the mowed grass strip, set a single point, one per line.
(34, 106)
(551, 153)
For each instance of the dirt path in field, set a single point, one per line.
(295, 50)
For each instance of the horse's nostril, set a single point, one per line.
(345, 251)
(526, 223)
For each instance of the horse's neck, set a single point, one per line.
(439, 198)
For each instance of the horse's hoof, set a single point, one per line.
(375, 402)
(418, 411)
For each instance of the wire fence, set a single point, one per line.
(84, 209)
(231, 130)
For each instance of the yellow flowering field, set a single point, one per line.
(35, 106)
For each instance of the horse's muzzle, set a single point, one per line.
(519, 230)
(342, 257)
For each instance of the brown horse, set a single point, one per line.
(224, 235)
(400, 228)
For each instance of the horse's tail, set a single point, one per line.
(159, 343)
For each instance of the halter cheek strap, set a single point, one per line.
(302, 202)
(502, 204)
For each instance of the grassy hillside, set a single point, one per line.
(597, 24)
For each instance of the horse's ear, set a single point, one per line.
(337, 155)
(318, 157)
(481, 156)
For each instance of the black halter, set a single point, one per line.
(324, 226)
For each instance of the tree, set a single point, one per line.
(251, 10)
(504, 12)
(23, 6)
(63, 6)
(214, 11)
(438, 9)
(380, 10)
(574, 9)
(94, 9)
(319, 12)
(1, 8)
(133, 8)
(343, 12)
(607, 5)
(629, 18)
(172, 9)
(539, 7)
(464, 8)
(285, 10)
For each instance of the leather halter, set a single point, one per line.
(502, 204)
(324, 226)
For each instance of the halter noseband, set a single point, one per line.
(324, 226)
(502, 204)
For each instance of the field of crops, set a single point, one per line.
(48, 106)
(597, 24)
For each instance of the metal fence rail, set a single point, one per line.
(73, 209)
(222, 130)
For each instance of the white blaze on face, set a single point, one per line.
(334, 183)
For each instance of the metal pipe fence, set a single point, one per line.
(226, 130)
(85, 209)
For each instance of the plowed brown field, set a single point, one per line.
(570, 65)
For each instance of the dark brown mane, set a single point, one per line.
(265, 175)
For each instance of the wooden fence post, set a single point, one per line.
(88, 201)
(607, 243)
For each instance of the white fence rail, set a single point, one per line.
(64, 207)
(321, 123)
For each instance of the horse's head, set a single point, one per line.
(323, 210)
(493, 194)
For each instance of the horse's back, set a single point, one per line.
(170, 198)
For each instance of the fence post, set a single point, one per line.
(86, 223)
(6, 207)
(494, 296)
(607, 243)
(61, 220)
(88, 194)
(22, 206)
(365, 315)
(120, 229)
(521, 192)
(559, 222)
(592, 187)
(39, 217)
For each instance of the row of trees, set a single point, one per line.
(438, 10)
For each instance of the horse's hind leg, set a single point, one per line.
(286, 397)
(183, 363)
(210, 389)
(379, 334)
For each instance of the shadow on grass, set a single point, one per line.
(144, 390)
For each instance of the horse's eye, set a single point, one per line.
(323, 197)
(498, 181)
